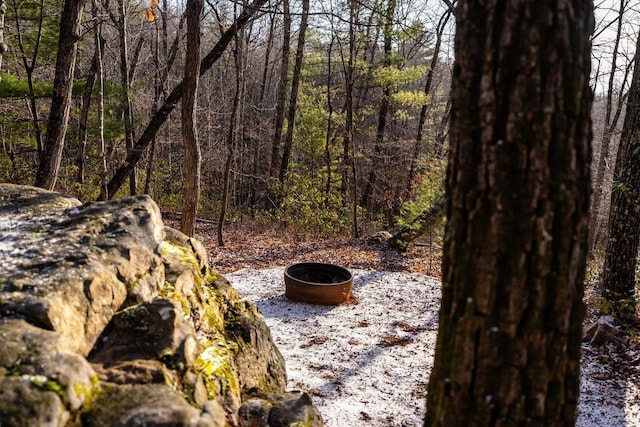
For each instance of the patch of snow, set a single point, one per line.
(368, 363)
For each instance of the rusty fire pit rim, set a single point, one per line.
(319, 264)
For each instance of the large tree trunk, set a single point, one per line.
(619, 270)
(70, 18)
(192, 156)
(171, 101)
(514, 256)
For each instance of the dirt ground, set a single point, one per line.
(610, 367)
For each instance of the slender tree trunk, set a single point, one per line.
(598, 183)
(295, 85)
(135, 58)
(121, 23)
(368, 193)
(86, 105)
(171, 101)
(267, 59)
(442, 24)
(442, 131)
(599, 235)
(3, 46)
(70, 18)
(620, 261)
(327, 142)
(231, 136)
(258, 187)
(157, 92)
(282, 90)
(349, 143)
(98, 39)
(29, 67)
(514, 256)
(192, 156)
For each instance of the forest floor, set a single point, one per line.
(367, 362)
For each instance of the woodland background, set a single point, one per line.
(332, 119)
(327, 118)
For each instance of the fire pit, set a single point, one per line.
(317, 283)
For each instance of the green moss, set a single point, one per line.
(168, 291)
(215, 364)
(135, 318)
(85, 392)
(46, 384)
(184, 255)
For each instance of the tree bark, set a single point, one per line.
(3, 46)
(329, 137)
(293, 100)
(238, 57)
(70, 18)
(192, 155)
(514, 256)
(607, 134)
(282, 90)
(98, 40)
(171, 101)
(123, 34)
(86, 105)
(619, 270)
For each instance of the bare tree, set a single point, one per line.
(383, 111)
(282, 89)
(3, 46)
(607, 135)
(171, 101)
(442, 24)
(61, 102)
(192, 155)
(29, 65)
(238, 62)
(293, 99)
(619, 270)
(86, 106)
(121, 23)
(514, 256)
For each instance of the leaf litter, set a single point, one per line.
(367, 362)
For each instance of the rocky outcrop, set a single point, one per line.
(107, 317)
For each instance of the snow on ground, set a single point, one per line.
(367, 364)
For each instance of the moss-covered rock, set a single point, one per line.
(109, 318)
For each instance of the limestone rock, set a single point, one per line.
(295, 409)
(40, 381)
(254, 413)
(71, 269)
(141, 405)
